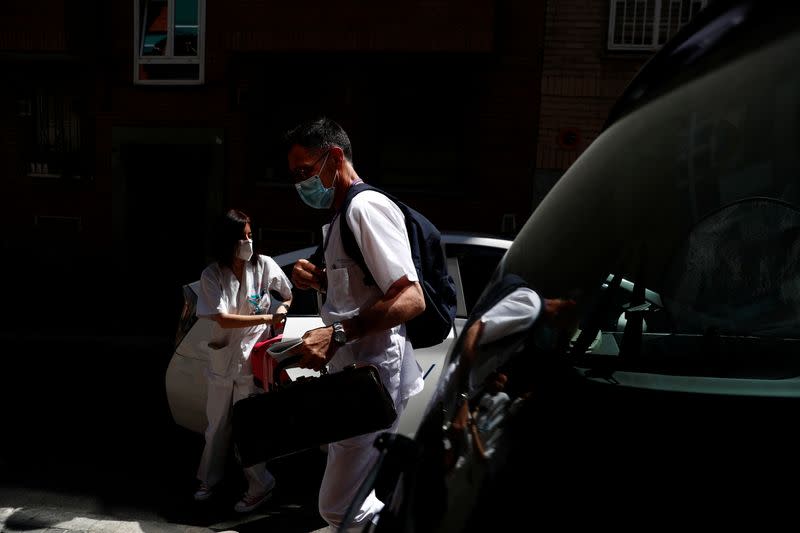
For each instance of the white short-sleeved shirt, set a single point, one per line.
(516, 313)
(513, 314)
(221, 292)
(379, 229)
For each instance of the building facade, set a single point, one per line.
(129, 126)
(592, 49)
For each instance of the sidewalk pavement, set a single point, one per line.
(34, 510)
(50, 520)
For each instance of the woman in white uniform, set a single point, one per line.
(235, 294)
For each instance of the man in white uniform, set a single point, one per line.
(507, 316)
(512, 315)
(365, 323)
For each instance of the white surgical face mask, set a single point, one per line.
(245, 249)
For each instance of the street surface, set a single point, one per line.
(87, 434)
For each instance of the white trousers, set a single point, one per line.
(222, 394)
(349, 463)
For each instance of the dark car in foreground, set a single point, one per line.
(677, 233)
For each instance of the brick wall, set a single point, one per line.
(32, 25)
(377, 59)
(458, 79)
(581, 79)
(494, 47)
(421, 25)
(266, 26)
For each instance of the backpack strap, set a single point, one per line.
(349, 242)
(350, 245)
(346, 233)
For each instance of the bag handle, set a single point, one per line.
(289, 362)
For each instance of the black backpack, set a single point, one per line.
(435, 323)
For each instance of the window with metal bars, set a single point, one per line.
(53, 135)
(648, 24)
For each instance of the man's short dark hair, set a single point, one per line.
(320, 134)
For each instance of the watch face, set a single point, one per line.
(339, 336)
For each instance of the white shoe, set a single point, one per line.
(252, 501)
(203, 493)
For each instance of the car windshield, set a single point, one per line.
(679, 228)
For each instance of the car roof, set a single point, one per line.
(476, 240)
(294, 255)
(447, 237)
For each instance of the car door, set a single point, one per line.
(470, 262)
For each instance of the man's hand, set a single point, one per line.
(560, 314)
(306, 275)
(562, 317)
(317, 348)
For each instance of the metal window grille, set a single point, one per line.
(54, 146)
(648, 24)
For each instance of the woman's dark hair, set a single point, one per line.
(320, 134)
(229, 231)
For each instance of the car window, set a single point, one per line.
(476, 265)
(695, 198)
(727, 265)
(726, 269)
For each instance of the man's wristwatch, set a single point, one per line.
(339, 336)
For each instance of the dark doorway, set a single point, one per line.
(166, 198)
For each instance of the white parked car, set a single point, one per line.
(471, 261)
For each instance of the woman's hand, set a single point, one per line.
(278, 318)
